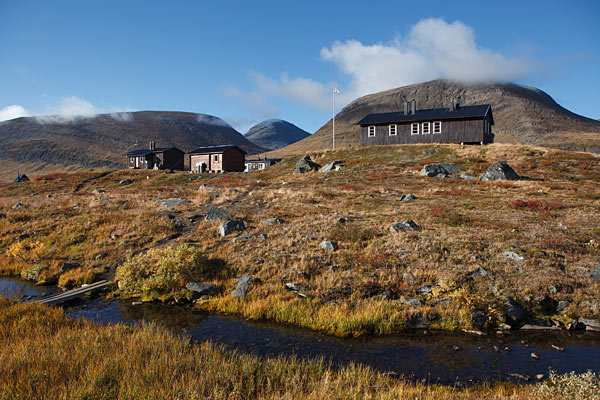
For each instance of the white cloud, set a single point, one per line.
(211, 120)
(75, 108)
(433, 48)
(11, 112)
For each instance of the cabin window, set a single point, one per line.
(414, 129)
(392, 130)
(132, 159)
(216, 158)
(426, 127)
(371, 130)
(437, 127)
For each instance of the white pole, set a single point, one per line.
(333, 117)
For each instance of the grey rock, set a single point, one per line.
(305, 164)
(272, 221)
(66, 266)
(98, 191)
(478, 319)
(408, 197)
(333, 268)
(341, 220)
(405, 226)
(172, 202)
(499, 171)
(586, 303)
(137, 303)
(590, 324)
(468, 177)
(100, 256)
(482, 272)
(258, 236)
(404, 254)
(230, 226)
(309, 238)
(407, 277)
(294, 287)
(17, 206)
(21, 178)
(429, 152)
(368, 196)
(443, 170)
(217, 214)
(426, 289)
(562, 306)
(332, 166)
(537, 327)
(511, 255)
(411, 302)
(22, 236)
(243, 283)
(514, 313)
(329, 245)
(204, 186)
(595, 273)
(202, 288)
(125, 181)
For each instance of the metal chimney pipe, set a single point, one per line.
(406, 108)
(414, 107)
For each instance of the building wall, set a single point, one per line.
(453, 131)
(234, 160)
(172, 159)
(131, 161)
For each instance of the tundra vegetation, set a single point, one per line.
(534, 240)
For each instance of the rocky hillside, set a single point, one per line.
(275, 133)
(522, 114)
(46, 144)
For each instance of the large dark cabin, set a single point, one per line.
(456, 124)
(156, 158)
(217, 159)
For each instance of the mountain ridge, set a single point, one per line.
(275, 133)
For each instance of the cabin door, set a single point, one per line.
(201, 167)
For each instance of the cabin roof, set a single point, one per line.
(143, 152)
(215, 149)
(432, 114)
(264, 159)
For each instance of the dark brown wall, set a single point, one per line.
(453, 131)
(172, 159)
(234, 160)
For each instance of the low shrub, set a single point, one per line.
(534, 205)
(571, 386)
(163, 270)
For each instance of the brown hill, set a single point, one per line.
(522, 114)
(37, 145)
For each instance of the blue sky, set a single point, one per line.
(249, 61)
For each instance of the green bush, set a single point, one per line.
(162, 270)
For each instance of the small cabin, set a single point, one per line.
(227, 158)
(156, 158)
(260, 164)
(455, 124)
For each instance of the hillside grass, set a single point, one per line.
(45, 355)
(551, 218)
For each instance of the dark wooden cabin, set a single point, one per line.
(217, 159)
(456, 124)
(156, 158)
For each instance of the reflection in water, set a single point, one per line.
(434, 357)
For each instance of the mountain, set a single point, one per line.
(522, 114)
(49, 143)
(275, 133)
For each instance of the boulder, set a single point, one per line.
(590, 324)
(478, 319)
(172, 202)
(500, 171)
(305, 164)
(202, 289)
(411, 302)
(272, 221)
(66, 266)
(258, 236)
(125, 181)
(333, 166)
(204, 186)
(405, 226)
(481, 272)
(562, 306)
(243, 283)
(217, 214)
(426, 289)
(341, 220)
(595, 273)
(511, 255)
(329, 245)
(230, 226)
(443, 170)
(468, 177)
(408, 197)
(514, 313)
(21, 178)
(98, 191)
(294, 287)
(17, 206)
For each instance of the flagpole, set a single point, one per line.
(333, 117)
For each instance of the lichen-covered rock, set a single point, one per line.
(216, 214)
(243, 283)
(329, 245)
(500, 171)
(272, 221)
(231, 226)
(332, 166)
(405, 226)
(305, 164)
(125, 181)
(443, 169)
(202, 289)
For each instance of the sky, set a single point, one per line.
(248, 61)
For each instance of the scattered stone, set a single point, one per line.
(22, 236)
(456, 348)
(468, 177)
(368, 196)
(192, 218)
(411, 302)
(595, 273)
(273, 221)
(136, 303)
(204, 186)
(511, 255)
(478, 319)
(534, 327)
(482, 272)
(230, 226)
(333, 268)
(558, 348)
(429, 152)
(329, 245)
(590, 304)
(404, 254)
(34, 194)
(305, 164)
(2, 215)
(258, 236)
(520, 376)
(172, 202)
(540, 377)
(535, 356)
(217, 214)
(333, 166)
(514, 312)
(125, 181)
(98, 191)
(500, 171)
(309, 238)
(100, 256)
(405, 226)
(562, 306)
(440, 170)
(21, 178)
(426, 289)
(407, 277)
(66, 266)
(243, 283)
(590, 324)
(294, 287)
(17, 206)
(341, 220)
(408, 197)
(202, 289)
(474, 332)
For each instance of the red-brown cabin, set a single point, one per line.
(217, 159)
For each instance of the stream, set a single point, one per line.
(436, 357)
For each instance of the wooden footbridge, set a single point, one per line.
(72, 294)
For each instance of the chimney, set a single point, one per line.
(452, 106)
(406, 108)
(458, 102)
(413, 107)
(152, 145)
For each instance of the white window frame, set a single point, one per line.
(371, 130)
(414, 131)
(395, 129)
(437, 127)
(426, 128)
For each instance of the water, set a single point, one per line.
(431, 357)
